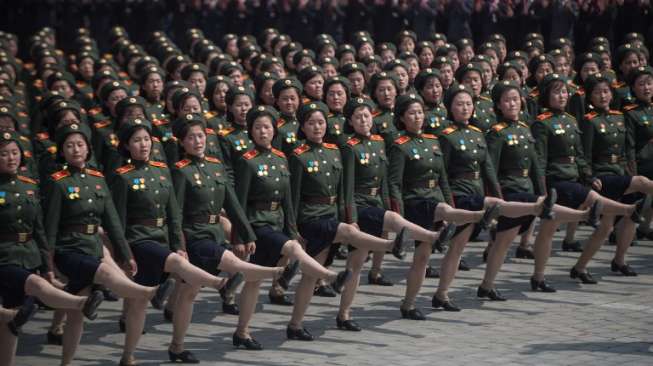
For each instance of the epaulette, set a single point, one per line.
(29, 66)
(159, 122)
(330, 146)
(155, 139)
(250, 154)
(353, 141)
(483, 97)
(618, 84)
(158, 164)
(499, 126)
(474, 128)
(25, 179)
(376, 138)
(52, 149)
(125, 168)
(301, 149)
(429, 136)
(210, 114)
(534, 93)
(94, 172)
(225, 131)
(615, 112)
(569, 115)
(280, 122)
(123, 74)
(590, 115)
(543, 116)
(449, 130)
(210, 131)
(38, 83)
(306, 100)
(27, 154)
(59, 52)
(630, 107)
(212, 159)
(102, 124)
(278, 153)
(60, 175)
(22, 114)
(402, 140)
(42, 136)
(95, 110)
(523, 124)
(80, 84)
(376, 112)
(182, 163)
(580, 90)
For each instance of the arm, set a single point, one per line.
(174, 218)
(296, 172)
(120, 193)
(395, 179)
(541, 136)
(115, 230)
(53, 213)
(494, 146)
(179, 183)
(237, 216)
(631, 144)
(41, 242)
(348, 181)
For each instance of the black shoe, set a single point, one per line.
(342, 253)
(640, 206)
(625, 270)
(229, 288)
(524, 253)
(584, 277)
(541, 285)
(447, 305)
(123, 326)
(491, 294)
(413, 314)
(379, 280)
(441, 243)
(54, 339)
(432, 272)
(93, 301)
(574, 246)
(249, 343)
(347, 325)
(339, 284)
(324, 291)
(398, 249)
(490, 217)
(288, 273)
(183, 357)
(231, 309)
(547, 208)
(25, 313)
(643, 235)
(595, 214)
(463, 266)
(299, 334)
(162, 293)
(168, 315)
(281, 299)
(109, 295)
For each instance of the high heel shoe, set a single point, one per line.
(183, 357)
(491, 294)
(524, 253)
(348, 324)
(446, 305)
(413, 314)
(585, 277)
(547, 207)
(162, 293)
(168, 315)
(339, 284)
(54, 338)
(541, 285)
(378, 279)
(490, 217)
(625, 269)
(299, 334)
(398, 249)
(288, 273)
(24, 314)
(440, 244)
(93, 301)
(249, 343)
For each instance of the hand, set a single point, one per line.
(250, 247)
(239, 250)
(597, 185)
(130, 268)
(49, 276)
(183, 254)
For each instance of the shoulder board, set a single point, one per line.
(80, 84)
(402, 140)
(630, 107)
(302, 149)
(226, 131)
(158, 164)
(250, 154)
(210, 131)
(159, 122)
(534, 93)
(376, 138)
(29, 66)
(155, 139)
(570, 115)
(25, 179)
(483, 97)
(429, 136)
(448, 130)
(125, 168)
(523, 124)
(182, 163)
(499, 126)
(330, 115)
(618, 84)
(38, 83)
(101, 124)
(52, 149)
(580, 90)
(27, 153)
(94, 172)
(278, 153)
(305, 100)
(474, 128)
(590, 115)
(353, 141)
(212, 159)
(22, 114)
(210, 114)
(95, 110)
(42, 136)
(123, 74)
(615, 112)
(60, 175)
(543, 116)
(23, 138)
(376, 112)
(330, 146)
(280, 122)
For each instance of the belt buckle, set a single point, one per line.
(373, 191)
(213, 219)
(524, 172)
(90, 229)
(332, 200)
(22, 237)
(159, 222)
(274, 205)
(614, 159)
(477, 175)
(431, 183)
(572, 159)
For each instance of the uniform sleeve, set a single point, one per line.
(179, 182)
(491, 180)
(587, 137)
(120, 193)
(111, 223)
(494, 146)
(296, 172)
(237, 216)
(348, 181)
(41, 241)
(396, 178)
(537, 174)
(53, 205)
(244, 175)
(631, 141)
(290, 218)
(174, 218)
(584, 165)
(225, 148)
(171, 149)
(541, 136)
(577, 106)
(385, 188)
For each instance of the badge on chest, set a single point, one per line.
(313, 166)
(73, 192)
(3, 196)
(364, 158)
(138, 184)
(262, 170)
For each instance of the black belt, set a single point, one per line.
(88, 229)
(16, 237)
(564, 159)
(265, 205)
(516, 173)
(427, 183)
(613, 158)
(158, 222)
(202, 219)
(320, 200)
(368, 191)
(468, 175)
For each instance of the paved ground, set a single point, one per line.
(606, 324)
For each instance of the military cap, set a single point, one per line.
(504, 67)
(337, 80)
(500, 88)
(127, 129)
(235, 91)
(182, 124)
(59, 76)
(152, 69)
(308, 73)
(64, 131)
(191, 68)
(305, 110)
(109, 87)
(121, 106)
(452, 92)
(347, 69)
(636, 73)
(383, 75)
(299, 55)
(592, 81)
(355, 103)
(424, 75)
(390, 66)
(259, 111)
(404, 101)
(586, 57)
(464, 69)
(386, 46)
(286, 83)
(180, 95)
(344, 48)
(213, 82)
(545, 87)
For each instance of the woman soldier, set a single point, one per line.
(366, 175)
(336, 95)
(560, 151)
(324, 212)
(264, 191)
(203, 190)
(234, 140)
(263, 85)
(215, 93)
(430, 88)
(383, 87)
(147, 208)
(586, 64)
(512, 150)
(287, 96)
(604, 142)
(25, 266)
(78, 203)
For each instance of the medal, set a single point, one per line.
(602, 128)
(364, 158)
(291, 137)
(238, 144)
(2, 197)
(415, 154)
(462, 145)
(73, 192)
(262, 170)
(198, 181)
(138, 183)
(313, 166)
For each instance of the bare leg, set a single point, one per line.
(355, 263)
(190, 273)
(517, 209)
(248, 300)
(182, 315)
(594, 242)
(525, 240)
(497, 255)
(252, 272)
(304, 294)
(57, 325)
(53, 297)
(7, 315)
(351, 235)
(172, 299)
(457, 216)
(118, 282)
(450, 262)
(134, 323)
(292, 249)
(393, 222)
(72, 332)
(377, 262)
(570, 232)
(542, 247)
(416, 273)
(625, 235)
(8, 344)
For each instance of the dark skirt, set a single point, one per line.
(205, 254)
(150, 256)
(570, 194)
(269, 244)
(370, 220)
(615, 187)
(319, 234)
(12, 285)
(469, 203)
(79, 269)
(421, 212)
(524, 222)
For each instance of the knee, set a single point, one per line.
(292, 247)
(348, 230)
(36, 283)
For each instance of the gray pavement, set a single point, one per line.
(606, 324)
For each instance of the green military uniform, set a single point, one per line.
(384, 124)
(435, 119)
(162, 130)
(639, 137)
(235, 142)
(366, 170)
(335, 129)
(604, 142)
(484, 116)
(287, 138)
(216, 121)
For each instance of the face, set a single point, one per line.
(336, 97)
(327, 51)
(357, 81)
(219, 95)
(266, 94)
(237, 77)
(494, 58)
(474, 82)
(347, 58)
(462, 107)
(9, 158)
(191, 105)
(113, 99)
(140, 145)
(63, 87)
(407, 44)
(279, 70)
(426, 57)
(413, 68)
(465, 54)
(313, 87)
(631, 61)
(68, 118)
(385, 93)
(232, 48)
(562, 65)
(361, 120)
(288, 101)
(86, 68)
(315, 127)
(512, 75)
(510, 104)
(133, 112)
(194, 142)
(524, 68)
(372, 68)
(387, 56)
(241, 105)
(75, 150)
(7, 124)
(304, 63)
(601, 96)
(559, 96)
(413, 118)
(488, 73)
(365, 50)
(432, 90)
(402, 75)
(607, 61)
(446, 75)
(643, 88)
(543, 70)
(263, 131)
(199, 82)
(153, 86)
(329, 71)
(588, 68)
